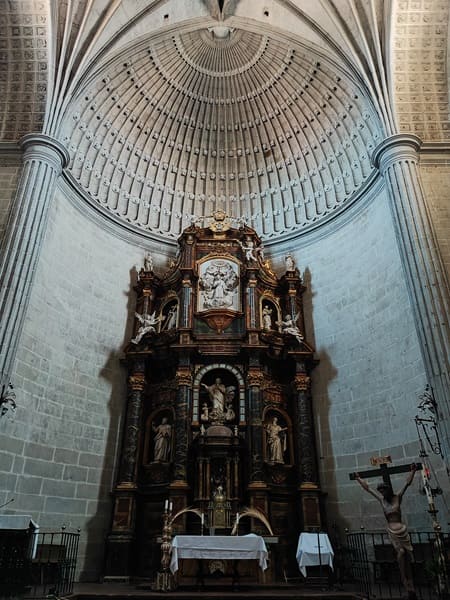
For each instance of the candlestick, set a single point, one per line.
(170, 506)
(166, 505)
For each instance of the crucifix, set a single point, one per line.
(390, 502)
(383, 470)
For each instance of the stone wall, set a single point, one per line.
(436, 180)
(365, 389)
(57, 457)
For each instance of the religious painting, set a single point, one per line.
(218, 285)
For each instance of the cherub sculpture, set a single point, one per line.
(148, 323)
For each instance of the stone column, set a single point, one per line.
(255, 379)
(397, 159)
(43, 161)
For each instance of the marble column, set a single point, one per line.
(254, 380)
(44, 158)
(128, 467)
(184, 391)
(307, 472)
(397, 158)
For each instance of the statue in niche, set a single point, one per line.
(289, 262)
(218, 284)
(221, 397)
(267, 318)
(276, 441)
(162, 440)
(289, 325)
(397, 530)
(170, 318)
(148, 323)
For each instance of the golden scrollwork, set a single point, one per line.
(302, 382)
(136, 381)
(183, 377)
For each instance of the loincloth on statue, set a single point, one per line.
(400, 539)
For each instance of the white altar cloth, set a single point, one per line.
(308, 554)
(233, 547)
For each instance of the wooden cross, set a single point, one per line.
(384, 471)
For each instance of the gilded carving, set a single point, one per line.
(302, 382)
(136, 381)
(183, 377)
(255, 378)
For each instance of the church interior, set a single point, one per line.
(225, 258)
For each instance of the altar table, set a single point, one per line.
(231, 547)
(314, 549)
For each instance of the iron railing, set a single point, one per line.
(53, 564)
(374, 566)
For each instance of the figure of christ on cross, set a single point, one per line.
(390, 502)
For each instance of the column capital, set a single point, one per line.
(136, 381)
(402, 146)
(45, 148)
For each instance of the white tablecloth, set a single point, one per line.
(245, 547)
(308, 554)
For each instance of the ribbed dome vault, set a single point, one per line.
(256, 124)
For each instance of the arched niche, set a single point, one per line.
(270, 313)
(169, 313)
(230, 376)
(159, 437)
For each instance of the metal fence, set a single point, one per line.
(374, 566)
(53, 563)
(37, 565)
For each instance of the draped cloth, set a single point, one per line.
(400, 539)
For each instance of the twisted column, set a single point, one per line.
(397, 159)
(43, 161)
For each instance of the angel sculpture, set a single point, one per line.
(249, 249)
(148, 323)
(289, 325)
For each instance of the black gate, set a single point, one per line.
(375, 568)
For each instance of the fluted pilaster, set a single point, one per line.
(397, 159)
(43, 161)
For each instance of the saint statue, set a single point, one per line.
(289, 262)
(171, 318)
(267, 318)
(276, 441)
(148, 263)
(397, 530)
(217, 394)
(162, 440)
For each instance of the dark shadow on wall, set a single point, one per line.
(322, 375)
(114, 373)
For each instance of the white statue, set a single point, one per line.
(148, 323)
(148, 263)
(276, 441)
(229, 413)
(289, 262)
(217, 394)
(205, 413)
(249, 249)
(267, 318)
(289, 325)
(171, 318)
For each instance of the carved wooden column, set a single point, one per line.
(121, 538)
(397, 158)
(257, 487)
(43, 161)
(306, 452)
(179, 486)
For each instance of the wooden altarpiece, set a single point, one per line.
(219, 400)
